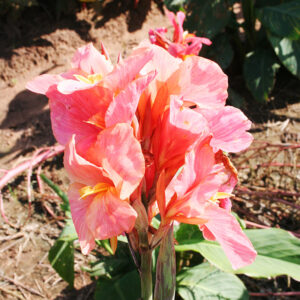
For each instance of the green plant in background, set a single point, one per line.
(261, 36)
(117, 277)
(14, 8)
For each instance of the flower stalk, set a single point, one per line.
(146, 274)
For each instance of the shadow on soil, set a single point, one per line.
(28, 113)
(26, 28)
(135, 17)
(85, 293)
(286, 92)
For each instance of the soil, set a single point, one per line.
(38, 43)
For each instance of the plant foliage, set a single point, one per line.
(260, 36)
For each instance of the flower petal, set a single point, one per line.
(79, 169)
(70, 85)
(200, 81)
(108, 216)
(122, 109)
(42, 83)
(70, 113)
(91, 61)
(120, 155)
(191, 174)
(180, 128)
(79, 208)
(223, 227)
(127, 70)
(162, 61)
(177, 24)
(229, 128)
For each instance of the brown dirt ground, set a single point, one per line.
(38, 44)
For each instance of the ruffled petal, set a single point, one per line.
(200, 81)
(91, 61)
(180, 124)
(120, 155)
(79, 169)
(122, 109)
(229, 128)
(127, 70)
(70, 114)
(108, 216)
(70, 86)
(223, 227)
(162, 61)
(192, 204)
(191, 174)
(79, 209)
(42, 83)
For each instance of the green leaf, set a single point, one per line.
(220, 51)
(106, 245)
(278, 253)
(107, 267)
(241, 222)
(207, 17)
(61, 254)
(123, 239)
(235, 98)
(207, 282)
(122, 288)
(282, 20)
(288, 52)
(175, 4)
(187, 232)
(263, 3)
(259, 72)
(156, 222)
(166, 269)
(66, 205)
(61, 258)
(68, 233)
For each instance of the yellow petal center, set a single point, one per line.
(220, 195)
(90, 79)
(90, 190)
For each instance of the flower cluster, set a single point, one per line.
(149, 132)
(184, 43)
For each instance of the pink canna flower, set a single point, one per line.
(177, 130)
(101, 187)
(88, 66)
(183, 44)
(154, 127)
(196, 80)
(228, 127)
(84, 102)
(194, 197)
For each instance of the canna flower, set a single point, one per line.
(93, 95)
(196, 81)
(154, 127)
(194, 196)
(101, 186)
(184, 43)
(178, 129)
(201, 85)
(228, 127)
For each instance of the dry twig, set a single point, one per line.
(7, 291)
(18, 284)
(40, 156)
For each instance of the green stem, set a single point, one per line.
(141, 225)
(146, 274)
